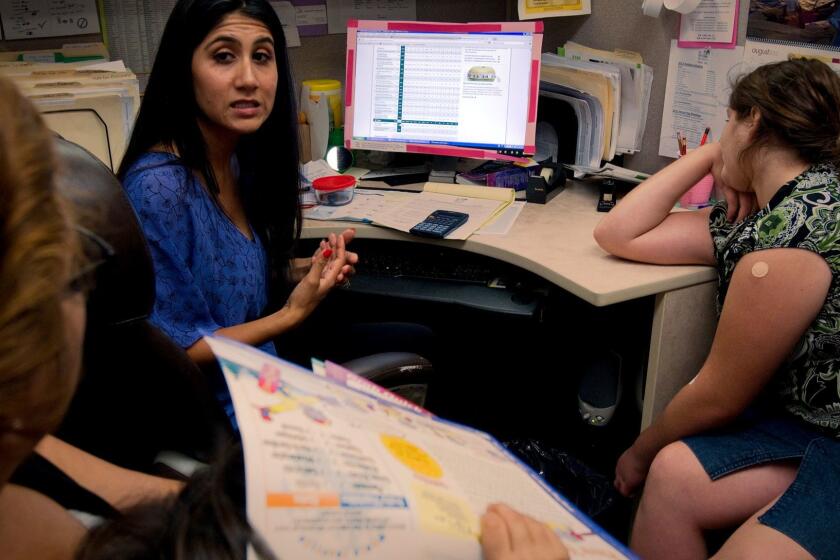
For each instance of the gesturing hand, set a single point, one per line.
(348, 269)
(329, 263)
(509, 535)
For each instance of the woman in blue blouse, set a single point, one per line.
(212, 171)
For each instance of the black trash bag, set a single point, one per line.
(590, 491)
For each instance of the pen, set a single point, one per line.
(705, 136)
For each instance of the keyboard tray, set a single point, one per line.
(497, 300)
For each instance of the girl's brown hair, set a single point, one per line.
(799, 106)
(35, 246)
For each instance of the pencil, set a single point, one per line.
(705, 136)
(681, 143)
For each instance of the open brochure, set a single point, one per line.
(402, 211)
(336, 470)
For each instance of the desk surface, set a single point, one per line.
(555, 241)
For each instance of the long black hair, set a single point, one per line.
(268, 158)
(205, 521)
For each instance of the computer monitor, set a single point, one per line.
(451, 89)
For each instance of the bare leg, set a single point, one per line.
(680, 501)
(753, 540)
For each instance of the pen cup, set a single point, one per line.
(698, 195)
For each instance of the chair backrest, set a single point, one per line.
(139, 392)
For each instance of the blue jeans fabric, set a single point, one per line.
(809, 510)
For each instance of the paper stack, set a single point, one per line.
(604, 95)
(90, 103)
(636, 81)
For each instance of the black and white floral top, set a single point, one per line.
(805, 214)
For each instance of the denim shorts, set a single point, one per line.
(809, 510)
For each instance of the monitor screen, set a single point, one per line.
(467, 90)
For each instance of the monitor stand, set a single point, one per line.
(443, 169)
(438, 169)
(395, 176)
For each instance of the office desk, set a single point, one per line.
(555, 242)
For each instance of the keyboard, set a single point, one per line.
(389, 265)
(418, 271)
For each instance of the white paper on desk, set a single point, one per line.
(48, 18)
(713, 21)
(696, 94)
(501, 224)
(411, 212)
(339, 11)
(366, 205)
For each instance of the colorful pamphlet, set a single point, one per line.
(334, 470)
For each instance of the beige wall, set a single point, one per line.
(613, 24)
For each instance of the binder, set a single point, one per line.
(578, 120)
(604, 86)
(636, 81)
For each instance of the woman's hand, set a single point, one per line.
(300, 266)
(509, 535)
(329, 263)
(739, 204)
(348, 269)
(630, 472)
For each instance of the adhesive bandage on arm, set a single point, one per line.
(760, 269)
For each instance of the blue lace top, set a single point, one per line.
(208, 275)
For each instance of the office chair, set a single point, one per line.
(140, 393)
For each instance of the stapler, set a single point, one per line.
(551, 178)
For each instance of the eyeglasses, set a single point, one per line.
(96, 252)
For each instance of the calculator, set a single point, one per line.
(439, 224)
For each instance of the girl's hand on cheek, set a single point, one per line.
(739, 204)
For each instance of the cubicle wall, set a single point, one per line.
(613, 24)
